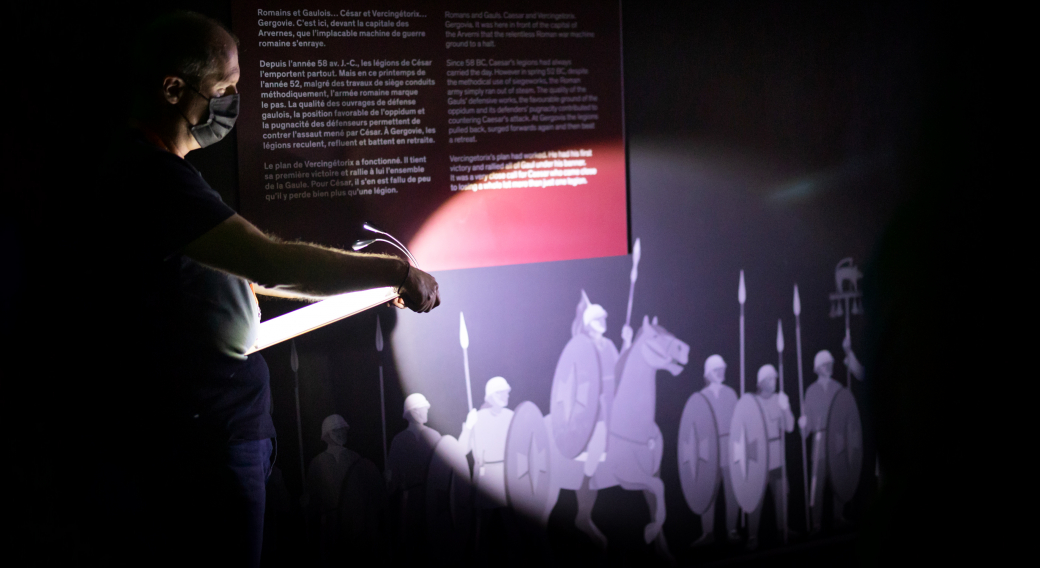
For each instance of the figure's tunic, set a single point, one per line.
(487, 441)
(409, 458)
(778, 420)
(325, 477)
(818, 399)
(723, 401)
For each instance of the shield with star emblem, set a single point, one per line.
(449, 499)
(527, 461)
(749, 452)
(698, 454)
(575, 396)
(844, 444)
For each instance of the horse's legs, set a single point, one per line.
(554, 496)
(649, 486)
(586, 501)
(659, 542)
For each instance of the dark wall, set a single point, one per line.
(757, 129)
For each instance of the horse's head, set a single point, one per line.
(660, 348)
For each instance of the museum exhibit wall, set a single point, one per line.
(769, 151)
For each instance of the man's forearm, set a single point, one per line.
(292, 268)
(311, 271)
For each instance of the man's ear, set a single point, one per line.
(173, 89)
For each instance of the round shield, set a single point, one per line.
(527, 461)
(698, 454)
(574, 404)
(748, 452)
(844, 444)
(363, 509)
(449, 498)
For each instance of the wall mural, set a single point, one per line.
(675, 436)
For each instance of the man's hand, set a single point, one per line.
(419, 292)
(785, 403)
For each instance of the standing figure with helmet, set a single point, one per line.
(816, 414)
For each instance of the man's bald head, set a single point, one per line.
(184, 44)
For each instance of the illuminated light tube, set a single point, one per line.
(319, 314)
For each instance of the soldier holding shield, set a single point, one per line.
(484, 434)
(814, 419)
(406, 468)
(776, 409)
(722, 399)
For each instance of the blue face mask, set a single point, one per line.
(222, 114)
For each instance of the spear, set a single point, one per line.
(632, 277)
(741, 297)
(294, 362)
(464, 341)
(801, 396)
(783, 440)
(382, 391)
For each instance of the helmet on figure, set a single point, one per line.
(593, 313)
(822, 358)
(332, 422)
(496, 384)
(766, 373)
(712, 363)
(413, 401)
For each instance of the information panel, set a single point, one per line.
(479, 133)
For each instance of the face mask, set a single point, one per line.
(222, 114)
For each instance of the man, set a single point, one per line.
(723, 399)
(818, 398)
(406, 470)
(484, 434)
(186, 266)
(777, 410)
(325, 477)
(591, 323)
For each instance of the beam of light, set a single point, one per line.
(319, 314)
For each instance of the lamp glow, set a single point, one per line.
(319, 314)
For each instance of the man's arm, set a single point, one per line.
(304, 270)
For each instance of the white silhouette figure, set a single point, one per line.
(634, 459)
(818, 398)
(776, 408)
(723, 399)
(325, 476)
(406, 470)
(484, 434)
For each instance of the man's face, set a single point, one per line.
(825, 369)
(717, 375)
(420, 415)
(767, 387)
(500, 399)
(219, 82)
(598, 327)
(337, 436)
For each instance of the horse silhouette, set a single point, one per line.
(634, 449)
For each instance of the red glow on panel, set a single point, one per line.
(522, 225)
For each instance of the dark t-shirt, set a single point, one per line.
(185, 327)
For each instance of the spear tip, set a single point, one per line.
(741, 289)
(797, 302)
(379, 335)
(294, 359)
(779, 336)
(463, 332)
